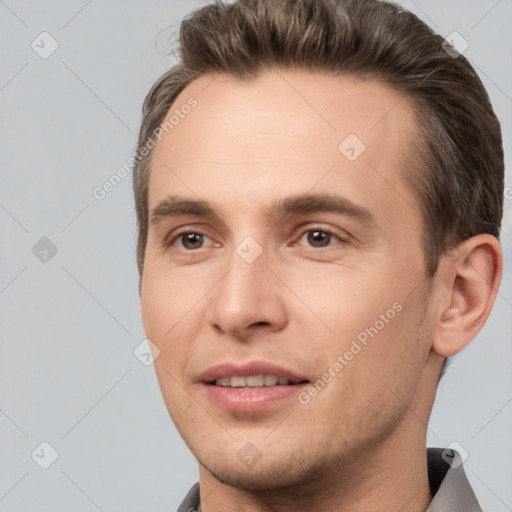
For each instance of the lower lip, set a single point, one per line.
(251, 399)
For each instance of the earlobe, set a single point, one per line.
(467, 284)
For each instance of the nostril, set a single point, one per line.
(260, 324)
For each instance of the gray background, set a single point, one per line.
(68, 375)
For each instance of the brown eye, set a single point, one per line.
(318, 238)
(191, 240)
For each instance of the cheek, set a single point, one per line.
(167, 295)
(172, 315)
(376, 379)
(169, 318)
(154, 304)
(344, 299)
(371, 323)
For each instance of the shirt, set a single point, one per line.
(449, 485)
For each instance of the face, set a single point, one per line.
(282, 249)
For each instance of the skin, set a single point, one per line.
(359, 444)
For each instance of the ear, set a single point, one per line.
(466, 285)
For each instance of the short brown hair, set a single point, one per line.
(459, 175)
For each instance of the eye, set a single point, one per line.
(191, 241)
(318, 238)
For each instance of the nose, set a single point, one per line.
(248, 300)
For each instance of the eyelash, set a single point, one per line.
(327, 231)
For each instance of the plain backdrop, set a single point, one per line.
(68, 280)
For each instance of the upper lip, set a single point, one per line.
(230, 369)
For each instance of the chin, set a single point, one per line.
(288, 472)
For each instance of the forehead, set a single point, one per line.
(283, 131)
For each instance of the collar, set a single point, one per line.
(449, 485)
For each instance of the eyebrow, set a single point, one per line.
(330, 203)
(174, 206)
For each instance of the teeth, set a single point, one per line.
(237, 382)
(270, 380)
(253, 381)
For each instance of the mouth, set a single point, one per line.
(251, 387)
(252, 381)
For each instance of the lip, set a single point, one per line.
(250, 399)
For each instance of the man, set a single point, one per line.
(319, 198)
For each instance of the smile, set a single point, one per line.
(252, 381)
